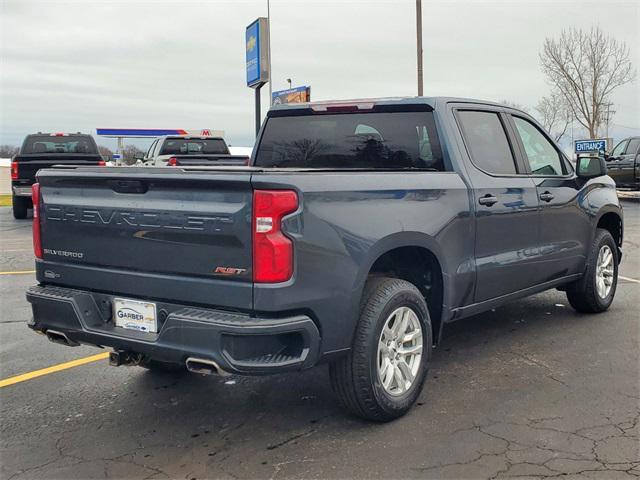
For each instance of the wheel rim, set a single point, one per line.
(399, 351)
(604, 271)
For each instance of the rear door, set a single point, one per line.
(144, 225)
(506, 205)
(565, 229)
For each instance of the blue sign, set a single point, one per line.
(252, 46)
(597, 145)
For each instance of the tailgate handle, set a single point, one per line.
(128, 186)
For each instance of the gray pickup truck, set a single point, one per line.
(357, 233)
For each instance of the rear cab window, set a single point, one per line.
(380, 140)
(61, 144)
(194, 146)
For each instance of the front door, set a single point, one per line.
(506, 207)
(565, 229)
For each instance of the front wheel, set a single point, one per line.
(382, 376)
(595, 291)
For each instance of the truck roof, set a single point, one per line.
(430, 101)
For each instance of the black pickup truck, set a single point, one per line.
(358, 232)
(42, 150)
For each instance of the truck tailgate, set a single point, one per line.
(149, 223)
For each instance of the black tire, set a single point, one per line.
(20, 207)
(583, 294)
(162, 367)
(354, 377)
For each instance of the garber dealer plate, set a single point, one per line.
(135, 315)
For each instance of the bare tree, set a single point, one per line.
(106, 152)
(8, 151)
(554, 114)
(586, 67)
(130, 153)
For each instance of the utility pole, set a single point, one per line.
(269, 54)
(419, 43)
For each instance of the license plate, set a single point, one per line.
(135, 315)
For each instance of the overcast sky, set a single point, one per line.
(78, 65)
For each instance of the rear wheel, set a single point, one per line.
(595, 291)
(20, 207)
(382, 376)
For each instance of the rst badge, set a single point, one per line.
(135, 315)
(229, 271)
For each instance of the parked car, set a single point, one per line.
(185, 150)
(41, 150)
(624, 163)
(360, 230)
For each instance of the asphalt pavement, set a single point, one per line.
(532, 389)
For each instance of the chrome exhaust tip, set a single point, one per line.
(61, 338)
(205, 367)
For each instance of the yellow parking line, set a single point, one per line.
(19, 272)
(628, 279)
(55, 368)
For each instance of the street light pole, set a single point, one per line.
(419, 43)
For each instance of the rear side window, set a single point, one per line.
(194, 146)
(59, 144)
(376, 140)
(487, 142)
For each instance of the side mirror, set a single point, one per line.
(591, 166)
(139, 156)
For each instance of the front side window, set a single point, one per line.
(375, 140)
(487, 142)
(619, 148)
(150, 151)
(542, 156)
(632, 148)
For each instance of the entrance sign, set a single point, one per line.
(595, 145)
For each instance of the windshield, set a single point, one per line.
(389, 140)
(59, 144)
(194, 146)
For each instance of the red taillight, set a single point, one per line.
(14, 170)
(102, 163)
(272, 249)
(35, 197)
(173, 161)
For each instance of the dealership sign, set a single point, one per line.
(257, 48)
(292, 95)
(595, 145)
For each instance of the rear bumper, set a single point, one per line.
(238, 343)
(22, 191)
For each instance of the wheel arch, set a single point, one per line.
(417, 258)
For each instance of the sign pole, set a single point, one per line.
(257, 89)
(419, 43)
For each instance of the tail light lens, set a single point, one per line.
(102, 163)
(173, 162)
(37, 242)
(14, 170)
(272, 249)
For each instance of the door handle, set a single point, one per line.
(546, 196)
(488, 200)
